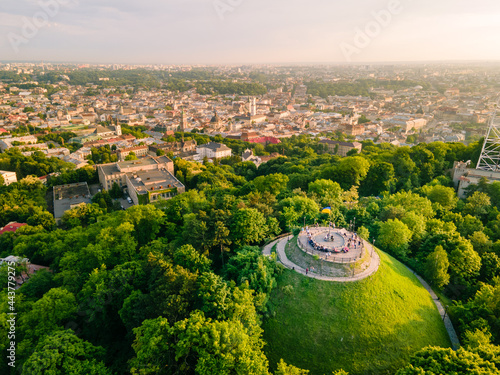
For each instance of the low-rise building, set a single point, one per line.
(70, 196)
(149, 186)
(176, 148)
(8, 177)
(248, 155)
(407, 122)
(11, 227)
(7, 143)
(341, 148)
(213, 150)
(117, 172)
(463, 177)
(139, 151)
(351, 129)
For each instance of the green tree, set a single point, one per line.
(289, 217)
(351, 171)
(82, 215)
(273, 183)
(284, 369)
(41, 217)
(48, 313)
(477, 204)
(302, 206)
(197, 345)
(363, 233)
(131, 156)
(187, 257)
(490, 266)
(416, 223)
(437, 361)
(436, 268)
(328, 193)
(259, 150)
(465, 263)
(444, 196)
(63, 352)
(221, 238)
(248, 226)
(116, 191)
(480, 242)
(410, 202)
(249, 265)
(380, 178)
(394, 237)
(214, 296)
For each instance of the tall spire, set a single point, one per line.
(183, 121)
(490, 155)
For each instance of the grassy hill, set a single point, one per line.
(368, 327)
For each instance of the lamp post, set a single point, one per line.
(445, 312)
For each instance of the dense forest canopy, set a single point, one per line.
(181, 286)
(361, 87)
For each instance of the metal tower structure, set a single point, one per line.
(490, 155)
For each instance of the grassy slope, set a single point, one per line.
(369, 327)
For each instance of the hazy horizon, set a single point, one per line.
(232, 32)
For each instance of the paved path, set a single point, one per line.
(290, 265)
(269, 247)
(455, 342)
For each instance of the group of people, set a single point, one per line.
(351, 240)
(318, 247)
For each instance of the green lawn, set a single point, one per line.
(369, 327)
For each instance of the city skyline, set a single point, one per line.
(242, 32)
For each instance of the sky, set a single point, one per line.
(249, 31)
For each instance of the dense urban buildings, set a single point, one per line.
(162, 207)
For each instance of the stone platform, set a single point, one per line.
(332, 239)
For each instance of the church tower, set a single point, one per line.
(216, 120)
(253, 107)
(183, 125)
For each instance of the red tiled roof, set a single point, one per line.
(11, 227)
(271, 140)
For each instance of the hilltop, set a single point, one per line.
(371, 326)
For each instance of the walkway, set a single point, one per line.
(455, 342)
(288, 264)
(269, 247)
